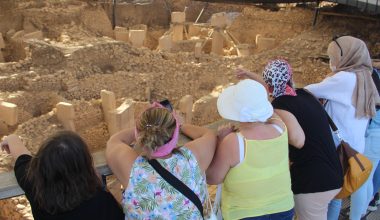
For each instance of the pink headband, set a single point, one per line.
(167, 148)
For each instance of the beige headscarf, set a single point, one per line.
(354, 57)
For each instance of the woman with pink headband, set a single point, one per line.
(148, 195)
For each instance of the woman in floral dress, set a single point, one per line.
(147, 195)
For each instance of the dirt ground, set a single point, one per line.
(64, 50)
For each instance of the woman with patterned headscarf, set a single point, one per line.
(351, 101)
(315, 169)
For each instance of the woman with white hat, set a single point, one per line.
(252, 162)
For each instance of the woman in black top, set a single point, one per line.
(315, 169)
(60, 182)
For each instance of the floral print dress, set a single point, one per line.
(148, 196)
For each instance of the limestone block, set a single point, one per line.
(8, 113)
(121, 34)
(108, 104)
(177, 34)
(34, 35)
(217, 43)
(66, 115)
(219, 20)
(137, 37)
(243, 50)
(194, 30)
(264, 43)
(198, 50)
(165, 43)
(178, 17)
(2, 44)
(122, 118)
(186, 108)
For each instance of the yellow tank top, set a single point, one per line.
(260, 184)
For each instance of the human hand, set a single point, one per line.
(245, 74)
(4, 145)
(225, 130)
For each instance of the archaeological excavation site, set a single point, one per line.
(92, 66)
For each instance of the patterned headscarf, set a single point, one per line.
(278, 76)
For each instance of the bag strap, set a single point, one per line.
(331, 122)
(177, 184)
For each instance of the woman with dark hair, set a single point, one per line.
(60, 182)
(148, 194)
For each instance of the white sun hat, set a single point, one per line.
(247, 101)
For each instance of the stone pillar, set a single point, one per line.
(178, 20)
(219, 20)
(66, 115)
(108, 105)
(165, 43)
(217, 42)
(186, 108)
(121, 34)
(137, 37)
(198, 50)
(123, 117)
(8, 113)
(8, 116)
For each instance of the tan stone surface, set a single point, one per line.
(178, 17)
(137, 37)
(8, 113)
(121, 34)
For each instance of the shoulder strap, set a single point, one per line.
(241, 147)
(177, 184)
(331, 122)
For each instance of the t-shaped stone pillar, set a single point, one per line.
(66, 115)
(219, 22)
(178, 20)
(117, 118)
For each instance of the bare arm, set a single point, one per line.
(14, 146)
(295, 133)
(243, 74)
(203, 144)
(223, 160)
(120, 155)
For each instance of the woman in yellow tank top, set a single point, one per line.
(252, 163)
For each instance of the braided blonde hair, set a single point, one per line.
(155, 128)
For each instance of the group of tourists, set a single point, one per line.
(276, 160)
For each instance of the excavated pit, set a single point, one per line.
(65, 51)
